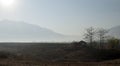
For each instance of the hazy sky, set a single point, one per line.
(68, 17)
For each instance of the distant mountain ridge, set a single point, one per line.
(21, 31)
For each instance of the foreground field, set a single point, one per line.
(38, 63)
(56, 54)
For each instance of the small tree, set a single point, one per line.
(89, 35)
(101, 35)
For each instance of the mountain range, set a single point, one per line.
(21, 31)
(13, 31)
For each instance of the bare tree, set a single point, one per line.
(89, 35)
(101, 35)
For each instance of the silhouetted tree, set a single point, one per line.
(89, 35)
(101, 35)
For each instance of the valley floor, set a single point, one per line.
(38, 63)
(58, 54)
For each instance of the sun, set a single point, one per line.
(7, 2)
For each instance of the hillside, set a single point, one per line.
(11, 31)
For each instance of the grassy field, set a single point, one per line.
(38, 63)
(55, 54)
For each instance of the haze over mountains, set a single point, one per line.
(115, 32)
(21, 31)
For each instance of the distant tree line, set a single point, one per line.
(99, 38)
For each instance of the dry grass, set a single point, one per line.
(38, 63)
(57, 54)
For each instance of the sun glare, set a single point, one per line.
(6, 2)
